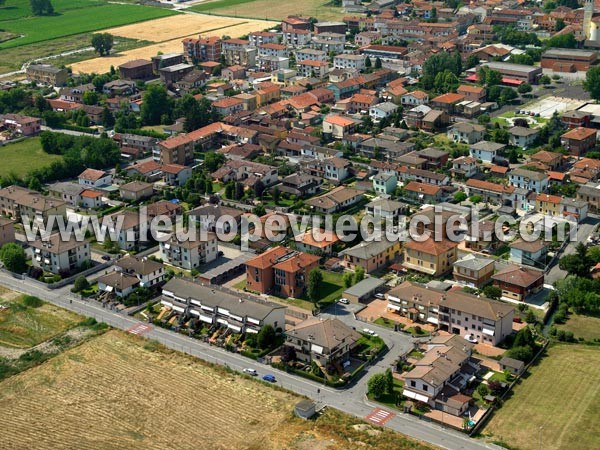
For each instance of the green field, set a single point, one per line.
(271, 9)
(561, 395)
(586, 327)
(22, 157)
(23, 326)
(72, 17)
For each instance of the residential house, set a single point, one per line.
(415, 98)
(384, 183)
(7, 231)
(136, 190)
(518, 283)
(465, 166)
(472, 93)
(327, 343)
(486, 151)
(335, 200)
(549, 160)
(490, 192)
(217, 308)
(371, 255)
(436, 159)
(528, 179)
(59, 256)
(430, 257)
(131, 233)
(281, 271)
(299, 184)
(320, 242)
(20, 124)
(190, 253)
(466, 132)
(423, 192)
(590, 193)
(482, 236)
(522, 136)
(386, 209)
(339, 126)
(247, 172)
(475, 271)
(131, 272)
(337, 169)
(207, 216)
(172, 74)
(176, 174)
(447, 102)
(95, 178)
(534, 253)
(579, 140)
(228, 106)
(382, 110)
(47, 74)
(138, 69)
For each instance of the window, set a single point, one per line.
(425, 387)
(413, 383)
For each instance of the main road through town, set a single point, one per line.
(351, 400)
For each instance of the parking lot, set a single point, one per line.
(546, 107)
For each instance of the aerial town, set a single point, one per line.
(462, 137)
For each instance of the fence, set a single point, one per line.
(490, 411)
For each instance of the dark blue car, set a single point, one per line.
(270, 378)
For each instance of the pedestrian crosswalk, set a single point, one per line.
(139, 329)
(379, 416)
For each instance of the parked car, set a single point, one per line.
(105, 257)
(250, 371)
(380, 296)
(344, 301)
(470, 338)
(270, 378)
(369, 332)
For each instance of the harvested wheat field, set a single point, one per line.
(169, 28)
(168, 34)
(119, 391)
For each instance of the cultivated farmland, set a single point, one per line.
(272, 9)
(119, 391)
(168, 33)
(561, 395)
(22, 157)
(72, 17)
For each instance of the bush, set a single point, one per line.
(81, 284)
(32, 302)
(483, 390)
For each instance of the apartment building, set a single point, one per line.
(349, 61)
(47, 74)
(528, 179)
(202, 49)
(17, 202)
(281, 271)
(238, 52)
(132, 272)
(58, 256)
(472, 270)
(371, 255)
(214, 307)
(190, 253)
(430, 257)
(23, 125)
(7, 231)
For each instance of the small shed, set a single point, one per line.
(364, 289)
(513, 365)
(305, 409)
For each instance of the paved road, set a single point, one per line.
(584, 231)
(351, 400)
(71, 132)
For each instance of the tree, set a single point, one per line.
(13, 257)
(378, 63)
(359, 274)
(315, 279)
(368, 63)
(593, 254)
(90, 98)
(230, 190)
(524, 354)
(288, 354)
(524, 88)
(156, 103)
(545, 80)
(492, 292)
(592, 82)
(460, 196)
(484, 119)
(81, 283)
(108, 120)
(524, 338)
(266, 337)
(475, 199)
(41, 7)
(389, 378)
(259, 188)
(259, 210)
(102, 43)
(377, 385)
(348, 279)
(483, 390)
(275, 193)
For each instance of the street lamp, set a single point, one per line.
(443, 397)
(541, 428)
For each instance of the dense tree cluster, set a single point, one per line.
(438, 63)
(41, 7)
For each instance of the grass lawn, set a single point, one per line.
(24, 326)
(241, 285)
(562, 395)
(271, 9)
(22, 157)
(384, 322)
(331, 288)
(586, 327)
(72, 17)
